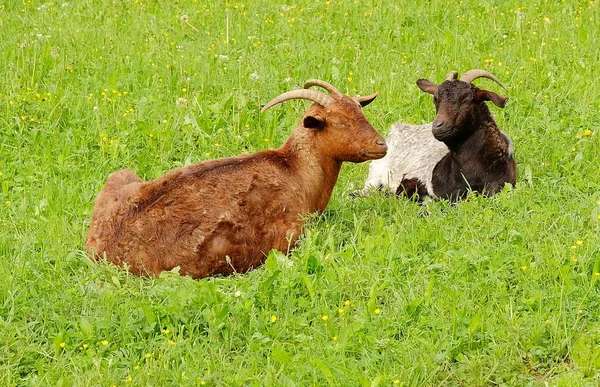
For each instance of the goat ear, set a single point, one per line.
(367, 99)
(485, 95)
(314, 122)
(427, 86)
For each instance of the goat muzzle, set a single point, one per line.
(378, 150)
(440, 129)
(438, 124)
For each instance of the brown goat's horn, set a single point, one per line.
(451, 76)
(327, 86)
(471, 75)
(313, 95)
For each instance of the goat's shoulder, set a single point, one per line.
(497, 149)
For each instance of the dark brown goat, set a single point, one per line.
(462, 150)
(223, 216)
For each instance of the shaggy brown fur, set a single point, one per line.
(224, 216)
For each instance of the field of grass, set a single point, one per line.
(380, 291)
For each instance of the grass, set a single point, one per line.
(498, 291)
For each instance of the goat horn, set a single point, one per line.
(451, 76)
(313, 95)
(471, 75)
(327, 86)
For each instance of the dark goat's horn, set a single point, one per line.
(313, 95)
(327, 86)
(471, 75)
(452, 75)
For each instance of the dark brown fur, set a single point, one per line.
(412, 188)
(479, 158)
(224, 216)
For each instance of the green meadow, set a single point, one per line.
(380, 291)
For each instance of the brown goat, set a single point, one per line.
(223, 216)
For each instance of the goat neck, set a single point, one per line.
(479, 122)
(485, 142)
(316, 172)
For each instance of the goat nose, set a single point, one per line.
(437, 124)
(380, 142)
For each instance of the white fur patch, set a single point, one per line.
(413, 152)
(511, 146)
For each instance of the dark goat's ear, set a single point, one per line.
(427, 86)
(365, 100)
(314, 122)
(485, 95)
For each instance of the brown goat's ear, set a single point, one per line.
(485, 95)
(367, 99)
(314, 122)
(427, 86)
